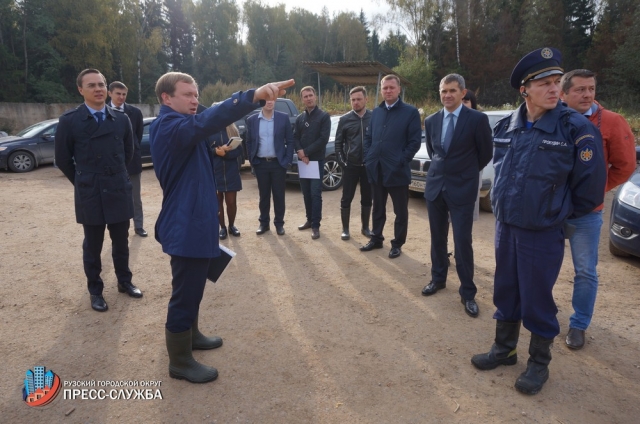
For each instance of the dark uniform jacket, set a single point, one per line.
(392, 142)
(94, 158)
(311, 133)
(458, 170)
(183, 162)
(350, 137)
(548, 173)
(137, 125)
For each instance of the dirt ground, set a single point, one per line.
(314, 331)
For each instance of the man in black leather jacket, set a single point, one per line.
(350, 150)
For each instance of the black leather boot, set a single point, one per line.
(503, 351)
(201, 342)
(345, 213)
(365, 214)
(531, 381)
(181, 363)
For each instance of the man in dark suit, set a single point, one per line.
(269, 139)
(93, 146)
(118, 93)
(390, 143)
(459, 144)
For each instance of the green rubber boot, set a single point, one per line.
(201, 342)
(181, 363)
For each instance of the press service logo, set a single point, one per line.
(40, 386)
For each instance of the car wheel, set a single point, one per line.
(21, 162)
(617, 252)
(332, 175)
(485, 203)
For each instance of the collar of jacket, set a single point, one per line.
(399, 103)
(546, 123)
(108, 112)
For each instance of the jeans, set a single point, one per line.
(584, 250)
(312, 193)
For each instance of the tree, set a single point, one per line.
(177, 20)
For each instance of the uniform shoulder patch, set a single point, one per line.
(585, 154)
(584, 137)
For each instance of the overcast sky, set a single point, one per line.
(370, 7)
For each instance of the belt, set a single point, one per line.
(268, 159)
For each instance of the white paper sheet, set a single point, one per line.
(310, 170)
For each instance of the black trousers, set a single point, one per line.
(462, 223)
(271, 181)
(92, 249)
(352, 175)
(189, 279)
(400, 198)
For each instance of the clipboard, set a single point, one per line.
(234, 142)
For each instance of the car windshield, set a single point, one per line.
(33, 130)
(334, 127)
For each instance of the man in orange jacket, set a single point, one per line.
(578, 92)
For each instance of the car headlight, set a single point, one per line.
(2, 148)
(630, 194)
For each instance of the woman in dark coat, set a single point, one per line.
(226, 167)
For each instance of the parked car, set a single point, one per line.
(332, 173)
(624, 231)
(145, 148)
(30, 148)
(422, 161)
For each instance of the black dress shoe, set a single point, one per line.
(371, 245)
(234, 231)
(98, 303)
(223, 233)
(304, 226)
(470, 307)
(141, 232)
(130, 289)
(315, 233)
(395, 252)
(280, 231)
(575, 339)
(432, 288)
(262, 229)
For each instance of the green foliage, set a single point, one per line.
(421, 75)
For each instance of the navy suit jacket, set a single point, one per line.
(282, 138)
(391, 142)
(459, 168)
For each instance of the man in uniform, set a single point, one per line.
(350, 150)
(118, 93)
(94, 144)
(548, 167)
(187, 226)
(311, 135)
(389, 147)
(269, 139)
(578, 92)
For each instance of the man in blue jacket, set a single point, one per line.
(549, 166)
(269, 139)
(187, 226)
(389, 147)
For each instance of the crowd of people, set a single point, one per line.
(554, 159)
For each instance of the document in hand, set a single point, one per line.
(310, 170)
(234, 142)
(219, 264)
